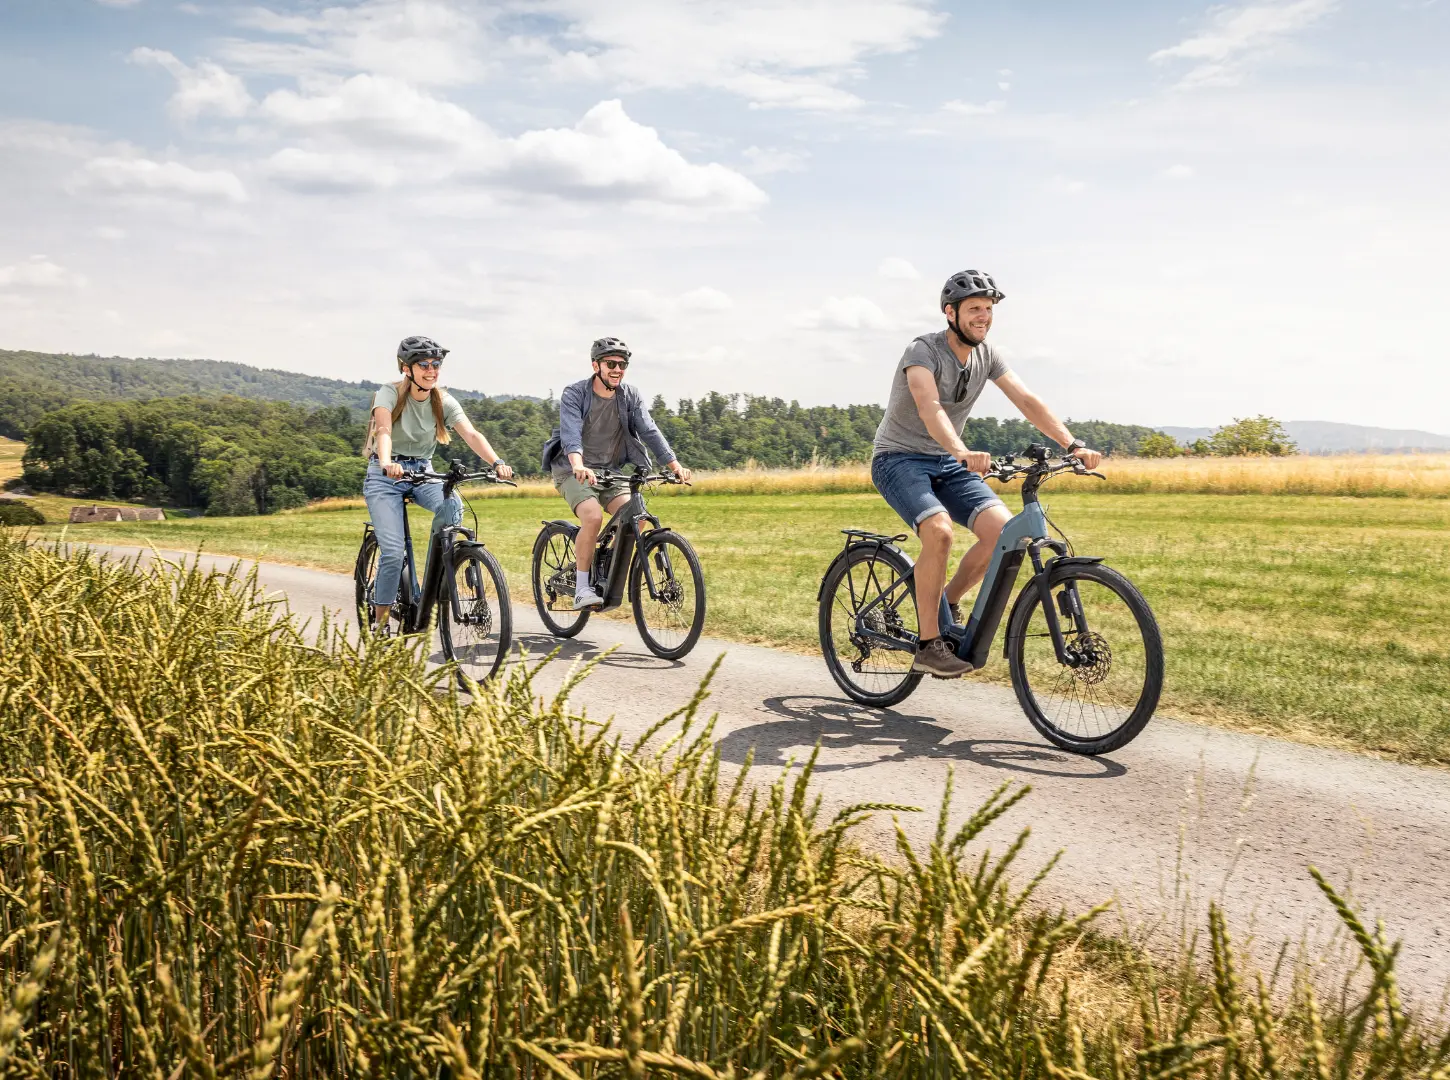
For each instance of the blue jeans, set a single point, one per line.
(920, 485)
(386, 508)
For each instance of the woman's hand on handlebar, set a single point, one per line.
(392, 470)
(504, 472)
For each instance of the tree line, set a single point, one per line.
(233, 456)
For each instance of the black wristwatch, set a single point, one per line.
(499, 462)
(1076, 444)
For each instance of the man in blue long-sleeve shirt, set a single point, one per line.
(603, 424)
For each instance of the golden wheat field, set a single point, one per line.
(1425, 476)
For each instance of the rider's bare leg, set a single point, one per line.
(380, 614)
(987, 527)
(591, 521)
(935, 534)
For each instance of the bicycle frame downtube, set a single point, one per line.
(1020, 533)
(626, 523)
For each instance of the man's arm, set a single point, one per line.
(1042, 418)
(921, 381)
(650, 432)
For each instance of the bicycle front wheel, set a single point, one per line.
(553, 578)
(1104, 697)
(669, 619)
(872, 667)
(477, 638)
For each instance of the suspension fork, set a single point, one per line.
(662, 550)
(1071, 602)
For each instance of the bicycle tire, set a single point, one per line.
(1117, 710)
(895, 680)
(479, 644)
(661, 639)
(364, 574)
(553, 576)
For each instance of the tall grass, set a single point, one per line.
(227, 849)
(1425, 476)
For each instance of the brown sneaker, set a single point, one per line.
(956, 610)
(938, 658)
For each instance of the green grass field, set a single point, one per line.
(1315, 618)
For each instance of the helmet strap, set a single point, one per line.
(955, 322)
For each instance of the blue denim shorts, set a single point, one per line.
(919, 485)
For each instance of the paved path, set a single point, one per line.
(1184, 814)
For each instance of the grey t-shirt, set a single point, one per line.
(902, 430)
(415, 433)
(602, 438)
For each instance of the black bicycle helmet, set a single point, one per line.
(969, 283)
(608, 346)
(419, 348)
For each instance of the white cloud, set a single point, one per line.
(648, 306)
(429, 42)
(315, 173)
(205, 88)
(38, 272)
(140, 176)
(844, 313)
(609, 155)
(1237, 36)
(773, 54)
(1178, 172)
(118, 3)
(895, 268)
(376, 109)
(705, 299)
(1004, 86)
(1063, 185)
(971, 108)
(111, 233)
(766, 161)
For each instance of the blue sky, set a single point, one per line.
(1197, 212)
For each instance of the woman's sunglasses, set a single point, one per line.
(429, 363)
(612, 363)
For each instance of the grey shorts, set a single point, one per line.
(575, 493)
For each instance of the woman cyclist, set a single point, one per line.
(410, 418)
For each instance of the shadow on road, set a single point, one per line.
(843, 726)
(541, 645)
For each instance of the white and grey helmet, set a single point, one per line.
(969, 283)
(418, 347)
(608, 346)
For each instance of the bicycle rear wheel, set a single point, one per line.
(478, 639)
(670, 621)
(553, 579)
(365, 574)
(867, 669)
(1102, 701)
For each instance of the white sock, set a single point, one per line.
(581, 582)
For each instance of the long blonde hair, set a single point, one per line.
(435, 399)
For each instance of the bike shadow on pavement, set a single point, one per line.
(541, 645)
(855, 737)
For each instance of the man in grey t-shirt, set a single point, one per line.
(924, 470)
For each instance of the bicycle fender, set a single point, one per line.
(1031, 589)
(571, 527)
(845, 553)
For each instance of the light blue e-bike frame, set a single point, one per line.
(1024, 536)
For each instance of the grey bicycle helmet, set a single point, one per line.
(969, 283)
(419, 348)
(608, 346)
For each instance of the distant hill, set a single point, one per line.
(32, 383)
(1323, 437)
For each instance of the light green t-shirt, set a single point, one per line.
(415, 435)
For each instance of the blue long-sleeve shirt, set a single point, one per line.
(641, 432)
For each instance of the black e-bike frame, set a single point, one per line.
(1025, 536)
(623, 536)
(418, 605)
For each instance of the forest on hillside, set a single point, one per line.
(179, 432)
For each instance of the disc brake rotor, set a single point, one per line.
(1095, 658)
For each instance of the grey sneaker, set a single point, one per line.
(588, 598)
(937, 658)
(956, 610)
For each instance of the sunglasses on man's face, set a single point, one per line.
(435, 364)
(613, 363)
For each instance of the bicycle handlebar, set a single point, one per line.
(605, 476)
(456, 475)
(1042, 465)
